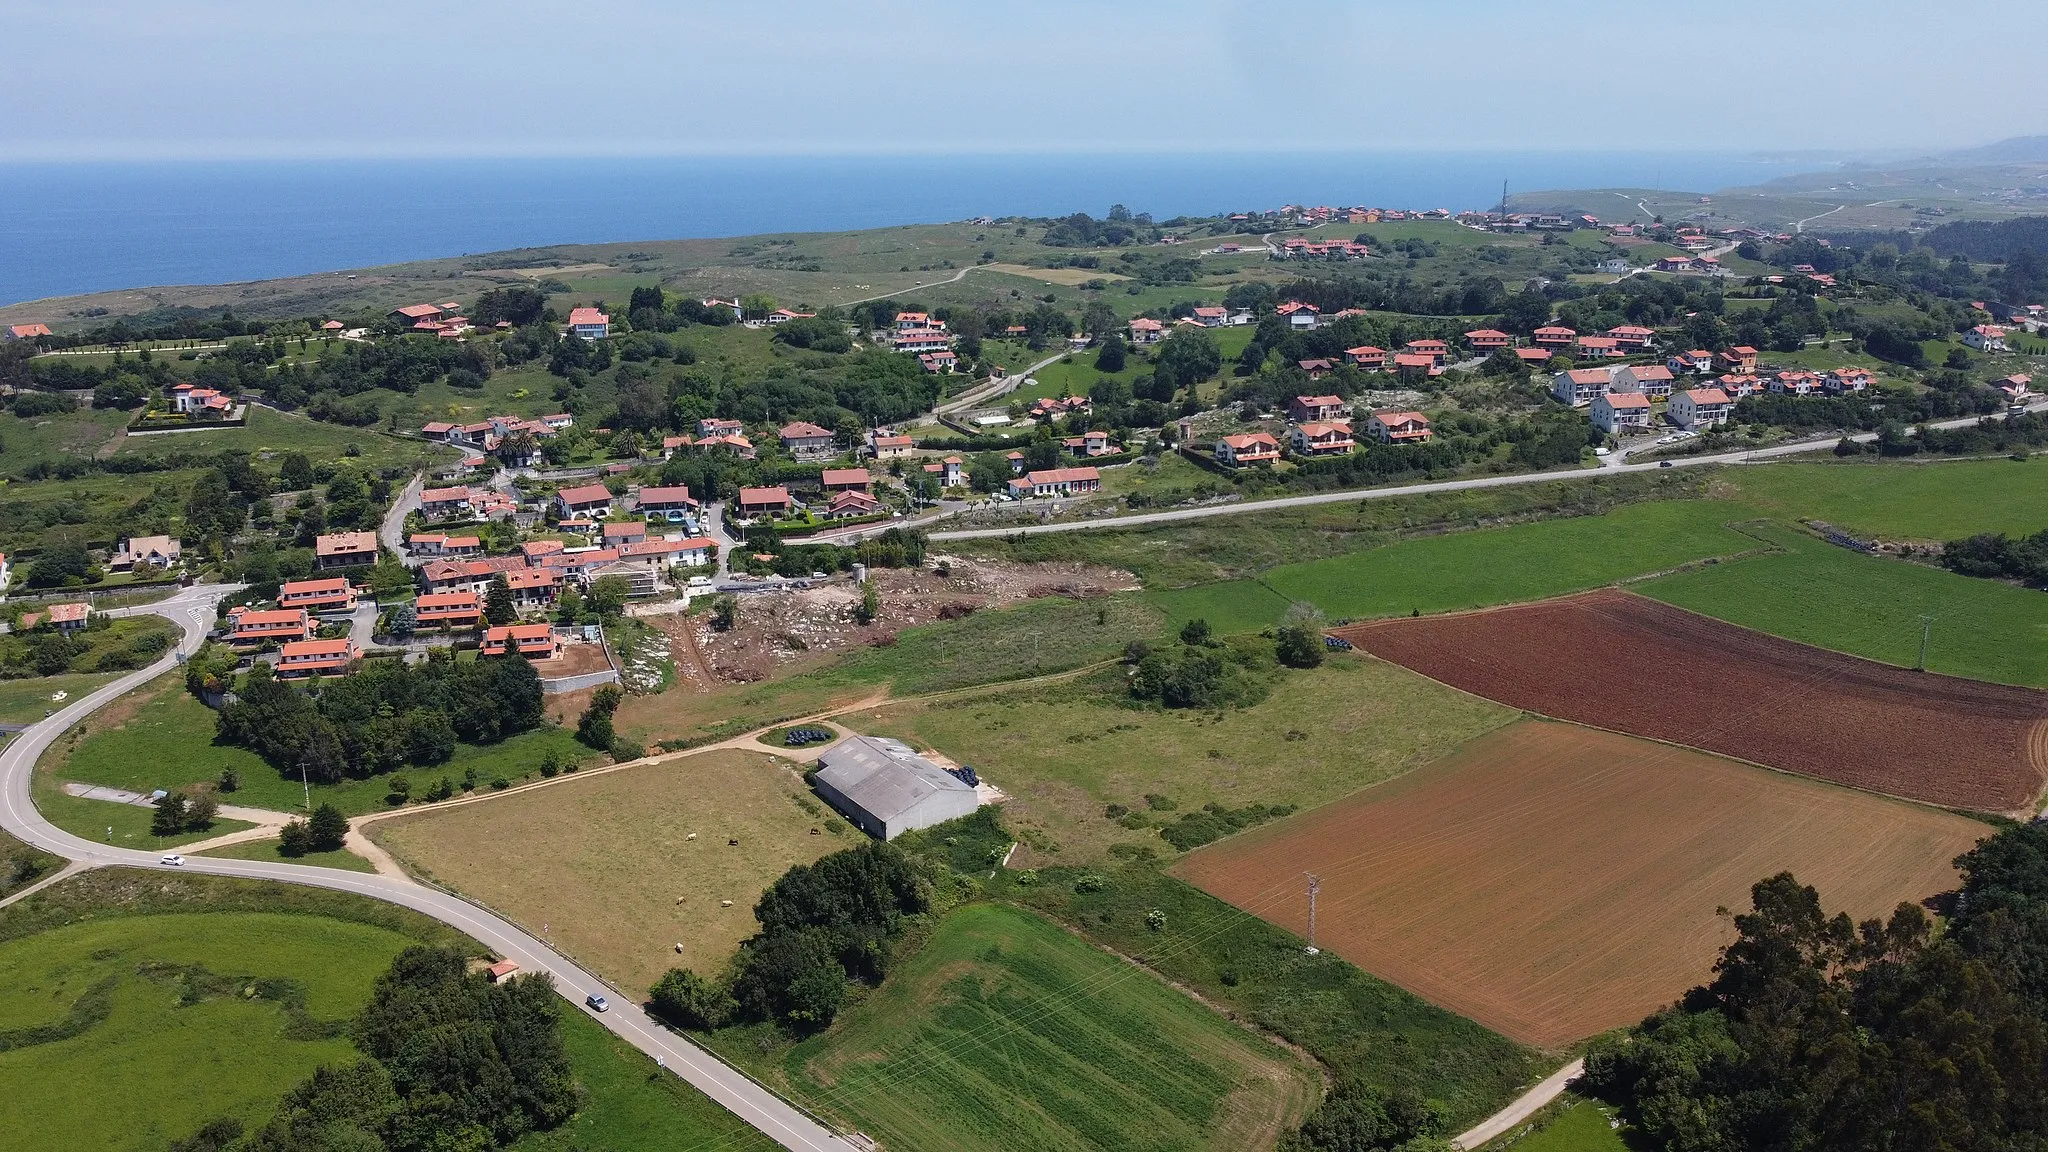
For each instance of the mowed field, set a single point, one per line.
(1552, 882)
(1635, 665)
(1065, 751)
(1006, 1032)
(606, 866)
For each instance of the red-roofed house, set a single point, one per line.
(1578, 386)
(250, 626)
(1597, 348)
(1147, 331)
(1848, 380)
(449, 610)
(1316, 368)
(533, 641)
(851, 502)
(331, 595)
(621, 531)
(1399, 426)
(1617, 412)
(1436, 350)
(1057, 482)
(669, 502)
(583, 500)
(1366, 356)
(1699, 407)
(345, 550)
(1632, 336)
(1211, 317)
(1653, 380)
(27, 331)
(1421, 362)
(66, 618)
(1247, 448)
(2016, 388)
(845, 479)
(1487, 340)
(888, 447)
(1698, 360)
(764, 501)
(537, 587)
(805, 440)
(413, 314)
(1555, 337)
(589, 323)
(1321, 438)
(316, 657)
(444, 503)
(1305, 408)
(1987, 338)
(1740, 359)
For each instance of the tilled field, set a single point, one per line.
(1634, 665)
(1553, 882)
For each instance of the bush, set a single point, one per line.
(687, 1000)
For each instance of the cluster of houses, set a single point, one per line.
(1320, 426)
(513, 439)
(1620, 399)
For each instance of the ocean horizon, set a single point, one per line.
(72, 228)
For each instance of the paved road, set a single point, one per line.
(193, 610)
(391, 533)
(1610, 466)
(1524, 1106)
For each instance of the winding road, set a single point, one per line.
(193, 611)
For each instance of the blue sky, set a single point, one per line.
(236, 78)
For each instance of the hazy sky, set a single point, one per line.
(211, 78)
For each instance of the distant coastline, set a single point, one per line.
(90, 227)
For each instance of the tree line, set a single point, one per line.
(383, 717)
(1817, 1033)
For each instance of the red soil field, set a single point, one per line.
(1552, 882)
(1638, 666)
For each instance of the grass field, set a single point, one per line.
(1065, 751)
(1502, 565)
(606, 862)
(1943, 500)
(176, 1066)
(1582, 1127)
(25, 701)
(159, 736)
(130, 824)
(1867, 606)
(267, 851)
(1553, 882)
(1006, 1032)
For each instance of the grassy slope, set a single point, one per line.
(1818, 594)
(25, 701)
(1475, 569)
(267, 850)
(207, 1059)
(12, 850)
(1006, 1032)
(1934, 501)
(1064, 751)
(176, 1067)
(1583, 1127)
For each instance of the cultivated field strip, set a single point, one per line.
(1634, 665)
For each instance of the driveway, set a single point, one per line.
(391, 533)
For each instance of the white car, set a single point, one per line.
(174, 860)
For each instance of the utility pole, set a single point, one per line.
(1926, 627)
(306, 784)
(1315, 884)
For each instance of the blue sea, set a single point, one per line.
(88, 227)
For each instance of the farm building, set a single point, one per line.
(886, 789)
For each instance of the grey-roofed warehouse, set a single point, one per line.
(887, 789)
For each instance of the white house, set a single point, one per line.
(1578, 386)
(589, 323)
(1247, 448)
(1699, 407)
(1987, 338)
(1620, 412)
(1652, 380)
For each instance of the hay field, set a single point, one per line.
(605, 862)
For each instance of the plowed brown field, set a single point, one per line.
(1634, 665)
(1553, 882)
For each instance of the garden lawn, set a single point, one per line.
(1831, 597)
(1065, 751)
(1006, 1032)
(1520, 562)
(1935, 500)
(154, 1068)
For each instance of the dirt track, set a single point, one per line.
(1553, 882)
(1634, 665)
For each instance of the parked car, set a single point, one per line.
(597, 1003)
